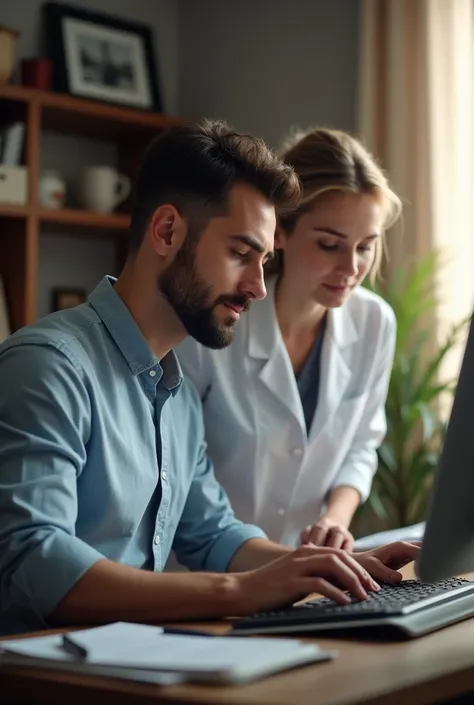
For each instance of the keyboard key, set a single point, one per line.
(391, 600)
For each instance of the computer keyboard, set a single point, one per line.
(411, 607)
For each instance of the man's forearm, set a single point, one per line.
(256, 553)
(111, 591)
(342, 503)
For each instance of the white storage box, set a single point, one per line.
(13, 184)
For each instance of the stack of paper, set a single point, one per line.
(145, 653)
(414, 532)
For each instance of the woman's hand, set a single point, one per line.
(328, 532)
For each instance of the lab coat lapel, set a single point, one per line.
(335, 371)
(266, 344)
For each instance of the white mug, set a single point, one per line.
(102, 188)
(51, 189)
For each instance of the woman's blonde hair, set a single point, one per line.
(331, 160)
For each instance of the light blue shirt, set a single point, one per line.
(102, 454)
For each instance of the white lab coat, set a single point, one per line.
(276, 475)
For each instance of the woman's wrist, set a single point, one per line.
(341, 505)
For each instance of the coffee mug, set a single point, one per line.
(102, 188)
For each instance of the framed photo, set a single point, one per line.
(67, 298)
(101, 57)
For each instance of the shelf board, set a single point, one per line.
(8, 210)
(84, 219)
(75, 218)
(65, 113)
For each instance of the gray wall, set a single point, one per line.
(263, 65)
(267, 64)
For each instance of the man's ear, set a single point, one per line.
(280, 238)
(167, 230)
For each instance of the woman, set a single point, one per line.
(294, 407)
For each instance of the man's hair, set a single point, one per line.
(194, 166)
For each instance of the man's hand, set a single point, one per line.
(111, 592)
(306, 570)
(384, 563)
(327, 571)
(328, 532)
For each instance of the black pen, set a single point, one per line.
(74, 649)
(187, 632)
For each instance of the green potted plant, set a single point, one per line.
(409, 454)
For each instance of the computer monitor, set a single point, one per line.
(448, 544)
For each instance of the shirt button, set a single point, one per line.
(297, 452)
(157, 539)
(152, 373)
(281, 512)
(163, 475)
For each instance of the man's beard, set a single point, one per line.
(190, 297)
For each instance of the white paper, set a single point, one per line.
(48, 649)
(116, 639)
(415, 532)
(135, 647)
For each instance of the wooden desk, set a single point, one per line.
(431, 669)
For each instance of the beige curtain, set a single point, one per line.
(416, 114)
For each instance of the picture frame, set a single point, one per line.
(64, 297)
(101, 57)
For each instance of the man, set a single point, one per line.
(103, 464)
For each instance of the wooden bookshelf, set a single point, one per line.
(11, 211)
(63, 113)
(84, 219)
(21, 226)
(74, 218)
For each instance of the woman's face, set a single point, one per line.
(332, 247)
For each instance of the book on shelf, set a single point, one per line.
(12, 140)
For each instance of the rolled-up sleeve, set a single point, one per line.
(360, 463)
(44, 426)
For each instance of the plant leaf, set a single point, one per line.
(410, 451)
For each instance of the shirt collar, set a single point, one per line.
(128, 337)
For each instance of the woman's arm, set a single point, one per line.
(360, 463)
(353, 481)
(341, 505)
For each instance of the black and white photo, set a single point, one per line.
(101, 57)
(104, 62)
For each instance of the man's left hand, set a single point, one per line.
(328, 532)
(384, 563)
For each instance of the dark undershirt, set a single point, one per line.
(308, 378)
